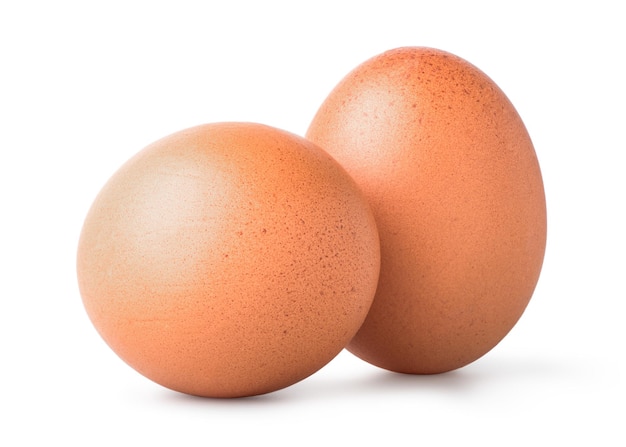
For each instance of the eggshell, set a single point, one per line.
(454, 182)
(228, 259)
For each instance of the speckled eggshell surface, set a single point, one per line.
(454, 182)
(228, 260)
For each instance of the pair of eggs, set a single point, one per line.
(409, 226)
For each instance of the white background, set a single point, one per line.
(85, 85)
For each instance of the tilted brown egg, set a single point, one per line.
(228, 259)
(454, 182)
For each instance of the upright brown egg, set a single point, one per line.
(452, 177)
(228, 259)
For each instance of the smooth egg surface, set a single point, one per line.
(228, 260)
(452, 176)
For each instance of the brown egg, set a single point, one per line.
(452, 177)
(229, 259)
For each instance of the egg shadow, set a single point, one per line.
(391, 381)
(376, 382)
(379, 382)
(372, 382)
(174, 397)
(476, 379)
